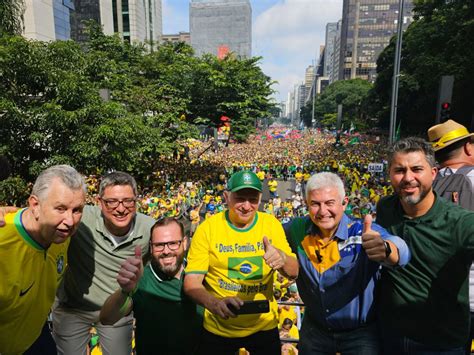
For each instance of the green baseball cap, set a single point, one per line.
(244, 180)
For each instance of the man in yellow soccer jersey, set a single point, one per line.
(232, 259)
(33, 255)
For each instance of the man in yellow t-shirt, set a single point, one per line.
(33, 255)
(233, 257)
(272, 187)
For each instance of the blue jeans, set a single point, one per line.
(394, 345)
(358, 341)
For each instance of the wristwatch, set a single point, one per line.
(388, 250)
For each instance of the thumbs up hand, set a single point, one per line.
(274, 257)
(372, 242)
(131, 271)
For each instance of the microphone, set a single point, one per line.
(319, 256)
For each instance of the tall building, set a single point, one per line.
(138, 20)
(290, 106)
(367, 27)
(47, 20)
(134, 20)
(329, 47)
(98, 10)
(309, 77)
(221, 26)
(333, 67)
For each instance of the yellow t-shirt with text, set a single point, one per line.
(232, 260)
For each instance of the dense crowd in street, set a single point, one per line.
(181, 185)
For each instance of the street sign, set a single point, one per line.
(375, 167)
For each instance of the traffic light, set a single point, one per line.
(445, 111)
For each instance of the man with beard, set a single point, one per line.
(164, 315)
(423, 307)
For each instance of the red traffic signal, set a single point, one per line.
(445, 111)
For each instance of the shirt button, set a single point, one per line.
(327, 310)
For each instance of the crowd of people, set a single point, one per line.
(293, 273)
(180, 186)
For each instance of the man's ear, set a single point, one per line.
(469, 149)
(226, 196)
(34, 205)
(345, 200)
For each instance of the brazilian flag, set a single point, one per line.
(249, 268)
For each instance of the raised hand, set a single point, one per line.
(131, 271)
(274, 257)
(372, 242)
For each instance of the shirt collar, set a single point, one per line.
(160, 276)
(428, 216)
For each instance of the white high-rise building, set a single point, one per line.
(135, 20)
(221, 26)
(47, 20)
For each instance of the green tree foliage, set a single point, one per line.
(351, 94)
(306, 114)
(438, 42)
(11, 17)
(230, 87)
(52, 112)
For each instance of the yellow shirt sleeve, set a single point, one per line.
(198, 257)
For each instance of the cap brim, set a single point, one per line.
(447, 144)
(245, 187)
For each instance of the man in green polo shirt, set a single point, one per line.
(106, 237)
(167, 321)
(423, 307)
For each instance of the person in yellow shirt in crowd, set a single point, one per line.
(195, 218)
(272, 187)
(289, 330)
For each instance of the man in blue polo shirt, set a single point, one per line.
(340, 261)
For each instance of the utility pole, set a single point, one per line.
(396, 74)
(313, 87)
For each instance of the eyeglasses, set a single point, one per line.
(173, 245)
(113, 203)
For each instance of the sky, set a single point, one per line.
(286, 33)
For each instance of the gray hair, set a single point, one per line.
(410, 145)
(117, 178)
(325, 179)
(66, 173)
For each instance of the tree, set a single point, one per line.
(51, 110)
(351, 94)
(11, 17)
(437, 43)
(230, 87)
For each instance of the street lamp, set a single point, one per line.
(396, 74)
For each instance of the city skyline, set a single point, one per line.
(286, 33)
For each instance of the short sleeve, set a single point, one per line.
(198, 256)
